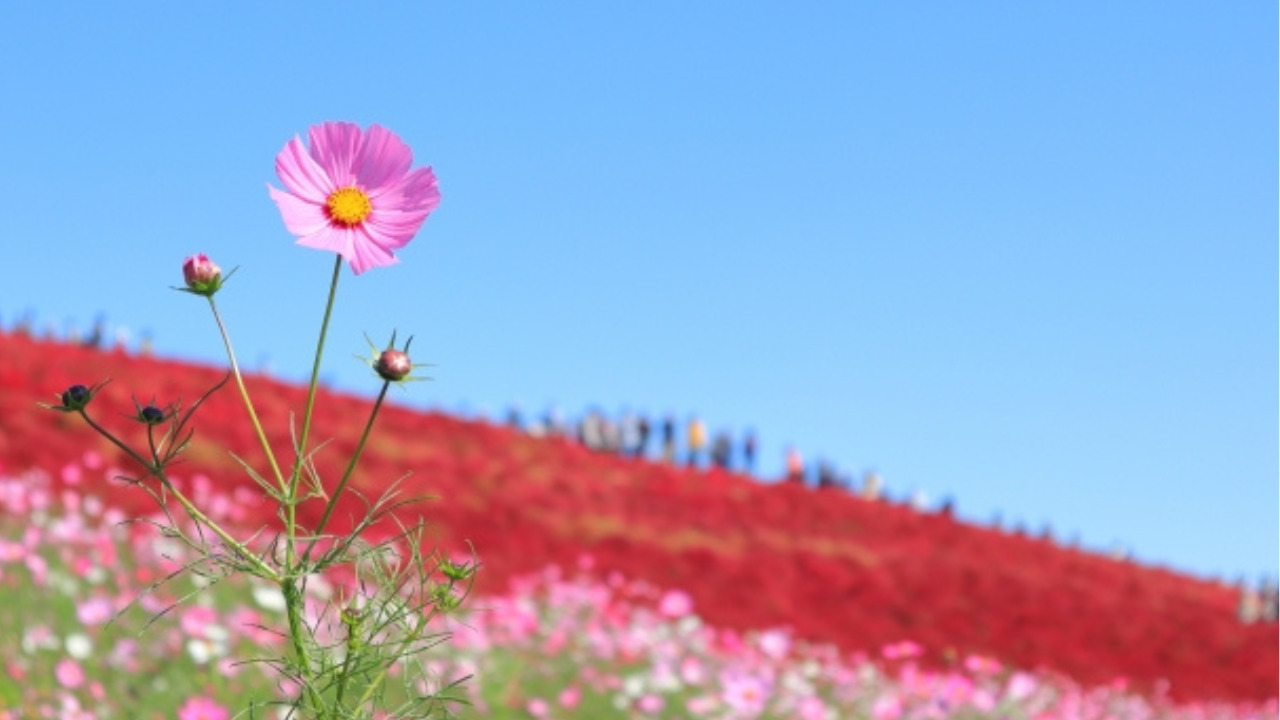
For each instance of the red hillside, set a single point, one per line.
(833, 567)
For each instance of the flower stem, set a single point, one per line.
(244, 395)
(292, 490)
(346, 476)
(195, 513)
(294, 605)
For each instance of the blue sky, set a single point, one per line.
(1023, 256)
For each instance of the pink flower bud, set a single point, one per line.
(202, 275)
(393, 365)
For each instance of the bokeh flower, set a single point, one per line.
(352, 192)
(69, 673)
(201, 708)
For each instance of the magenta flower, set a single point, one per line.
(353, 193)
(199, 708)
(69, 673)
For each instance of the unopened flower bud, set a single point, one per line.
(456, 571)
(202, 275)
(393, 365)
(444, 599)
(76, 397)
(151, 415)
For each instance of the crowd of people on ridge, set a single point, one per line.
(692, 444)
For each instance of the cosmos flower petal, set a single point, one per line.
(394, 230)
(300, 173)
(382, 161)
(301, 217)
(417, 191)
(334, 146)
(334, 239)
(369, 254)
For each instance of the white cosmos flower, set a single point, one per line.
(268, 598)
(199, 650)
(633, 686)
(79, 646)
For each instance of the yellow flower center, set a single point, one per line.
(348, 206)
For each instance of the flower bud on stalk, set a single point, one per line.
(151, 415)
(393, 365)
(76, 397)
(202, 275)
(456, 571)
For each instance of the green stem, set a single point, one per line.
(244, 395)
(346, 475)
(195, 513)
(353, 644)
(292, 493)
(293, 603)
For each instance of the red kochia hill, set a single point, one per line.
(832, 567)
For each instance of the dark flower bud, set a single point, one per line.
(393, 365)
(151, 415)
(76, 397)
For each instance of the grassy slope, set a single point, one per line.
(832, 566)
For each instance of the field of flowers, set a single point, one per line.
(808, 604)
(98, 626)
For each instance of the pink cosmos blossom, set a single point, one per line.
(570, 697)
(71, 474)
(197, 619)
(94, 611)
(200, 708)
(901, 650)
(981, 665)
(675, 604)
(69, 673)
(650, 704)
(744, 694)
(352, 192)
(538, 707)
(775, 644)
(812, 708)
(887, 707)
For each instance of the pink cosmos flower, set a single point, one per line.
(200, 708)
(901, 650)
(570, 697)
(675, 604)
(69, 673)
(650, 704)
(352, 192)
(94, 611)
(744, 694)
(197, 621)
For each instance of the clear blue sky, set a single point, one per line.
(1022, 255)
